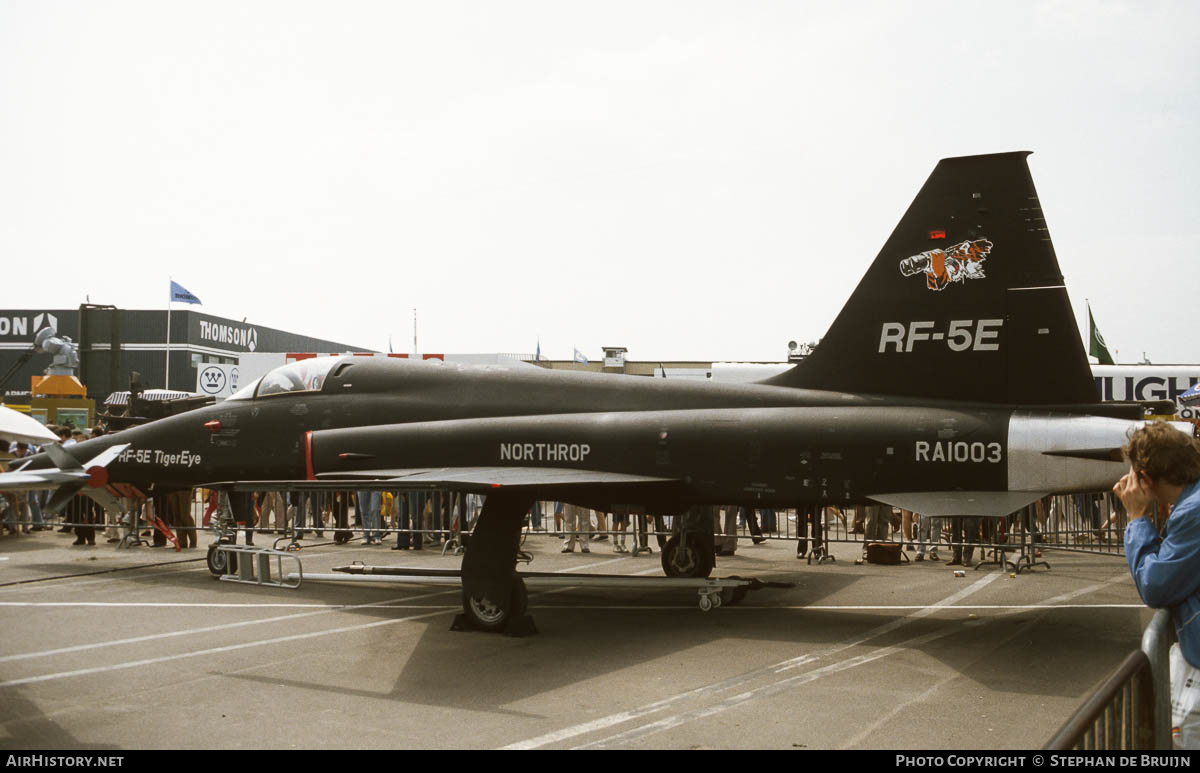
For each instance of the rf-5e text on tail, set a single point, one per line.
(953, 382)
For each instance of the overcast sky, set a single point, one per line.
(687, 179)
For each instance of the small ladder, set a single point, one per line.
(254, 566)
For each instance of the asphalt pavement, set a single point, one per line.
(105, 648)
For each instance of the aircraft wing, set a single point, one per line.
(941, 504)
(496, 477)
(481, 479)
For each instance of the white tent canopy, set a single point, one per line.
(122, 398)
(16, 427)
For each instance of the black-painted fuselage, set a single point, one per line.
(715, 443)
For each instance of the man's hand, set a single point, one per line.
(1134, 492)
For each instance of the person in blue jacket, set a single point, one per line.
(1164, 473)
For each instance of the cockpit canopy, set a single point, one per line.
(370, 374)
(301, 376)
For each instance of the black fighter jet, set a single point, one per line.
(953, 382)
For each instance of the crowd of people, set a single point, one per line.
(419, 518)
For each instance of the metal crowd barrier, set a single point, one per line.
(332, 512)
(1087, 523)
(1131, 709)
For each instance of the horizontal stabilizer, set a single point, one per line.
(939, 504)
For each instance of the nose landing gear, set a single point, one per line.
(684, 556)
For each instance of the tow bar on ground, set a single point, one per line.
(713, 592)
(253, 566)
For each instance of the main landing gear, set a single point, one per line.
(494, 598)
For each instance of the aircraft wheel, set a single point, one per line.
(220, 561)
(484, 615)
(488, 616)
(685, 561)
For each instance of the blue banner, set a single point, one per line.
(180, 295)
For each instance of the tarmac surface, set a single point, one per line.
(142, 648)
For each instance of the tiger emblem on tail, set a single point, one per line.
(958, 263)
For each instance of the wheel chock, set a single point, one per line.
(517, 627)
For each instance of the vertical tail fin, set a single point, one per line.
(965, 302)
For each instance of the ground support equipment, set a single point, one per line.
(166, 532)
(712, 593)
(252, 565)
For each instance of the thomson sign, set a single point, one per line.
(245, 337)
(26, 326)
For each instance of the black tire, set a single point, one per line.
(688, 561)
(486, 616)
(221, 562)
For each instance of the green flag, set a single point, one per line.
(1096, 346)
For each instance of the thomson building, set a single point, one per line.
(114, 342)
